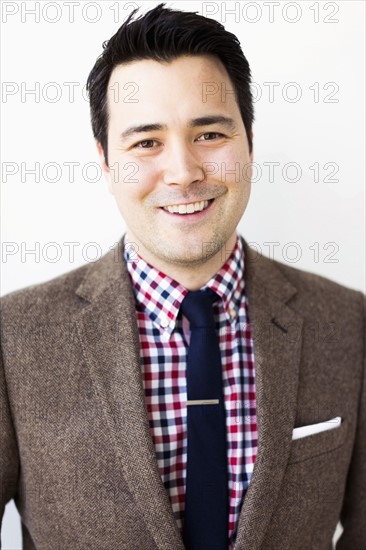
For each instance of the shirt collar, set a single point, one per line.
(160, 296)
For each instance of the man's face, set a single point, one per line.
(179, 160)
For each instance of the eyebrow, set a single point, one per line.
(193, 123)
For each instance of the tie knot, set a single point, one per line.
(197, 307)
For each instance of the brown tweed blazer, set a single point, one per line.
(76, 453)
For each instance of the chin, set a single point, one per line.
(182, 256)
(194, 255)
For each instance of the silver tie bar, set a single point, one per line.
(203, 402)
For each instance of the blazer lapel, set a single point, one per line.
(108, 333)
(277, 334)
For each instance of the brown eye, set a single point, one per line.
(213, 135)
(145, 144)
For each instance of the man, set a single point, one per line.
(182, 391)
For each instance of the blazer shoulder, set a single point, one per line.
(313, 280)
(321, 293)
(54, 297)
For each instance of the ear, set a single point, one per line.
(105, 167)
(251, 154)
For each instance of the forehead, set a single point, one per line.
(143, 85)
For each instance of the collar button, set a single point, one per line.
(164, 322)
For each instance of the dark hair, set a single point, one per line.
(163, 34)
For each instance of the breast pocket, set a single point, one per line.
(317, 444)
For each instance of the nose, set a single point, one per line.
(181, 166)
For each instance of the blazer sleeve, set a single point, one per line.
(353, 514)
(9, 456)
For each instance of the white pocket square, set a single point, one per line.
(304, 431)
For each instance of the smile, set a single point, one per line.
(187, 208)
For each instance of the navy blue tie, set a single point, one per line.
(206, 501)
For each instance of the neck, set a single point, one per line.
(192, 278)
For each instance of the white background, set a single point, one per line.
(326, 219)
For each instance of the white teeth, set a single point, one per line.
(187, 208)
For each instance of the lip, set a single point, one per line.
(196, 216)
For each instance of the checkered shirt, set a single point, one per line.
(164, 342)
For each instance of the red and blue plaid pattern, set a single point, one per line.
(164, 341)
